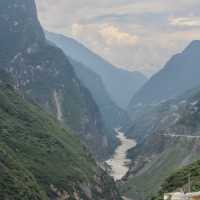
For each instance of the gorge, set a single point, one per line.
(60, 104)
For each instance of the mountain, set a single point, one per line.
(161, 116)
(113, 115)
(119, 83)
(179, 75)
(40, 159)
(179, 179)
(172, 143)
(42, 72)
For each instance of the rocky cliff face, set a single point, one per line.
(20, 27)
(112, 115)
(41, 71)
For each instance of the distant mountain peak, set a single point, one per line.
(20, 26)
(120, 83)
(193, 47)
(180, 74)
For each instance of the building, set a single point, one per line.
(182, 196)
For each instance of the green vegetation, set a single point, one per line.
(179, 180)
(41, 70)
(159, 155)
(80, 112)
(15, 181)
(37, 153)
(160, 159)
(46, 149)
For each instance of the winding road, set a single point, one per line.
(182, 136)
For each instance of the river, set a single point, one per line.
(119, 162)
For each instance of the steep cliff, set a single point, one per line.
(40, 159)
(42, 72)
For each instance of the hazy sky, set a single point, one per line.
(133, 34)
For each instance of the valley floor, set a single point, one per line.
(119, 162)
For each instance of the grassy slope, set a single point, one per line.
(47, 150)
(15, 181)
(36, 152)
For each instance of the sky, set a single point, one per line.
(137, 35)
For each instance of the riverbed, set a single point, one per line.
(119, 162)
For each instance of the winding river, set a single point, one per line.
(119, 162)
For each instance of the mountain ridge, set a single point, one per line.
(171, 143)
(120, 84)
(112, 115)
(178, 75)
(42, 70)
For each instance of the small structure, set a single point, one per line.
(193, 196)
(175, 196)
(182, 196)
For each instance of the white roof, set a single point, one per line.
(175, 196)
(180, 195)
(192, 194)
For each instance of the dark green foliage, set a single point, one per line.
(15, 181)
(47, 150)
(179, 180)
(36, 152)
(39, 158)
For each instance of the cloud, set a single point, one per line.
(133, 34)
(76, 29)
(106, 34)
(185, 22)
(113, 35)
